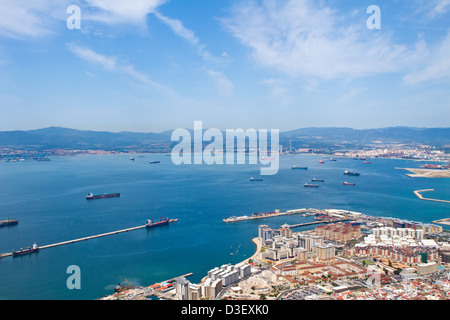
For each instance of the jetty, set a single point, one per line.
(418, 193)
(269, 215)
(63, 243)
(443, 221)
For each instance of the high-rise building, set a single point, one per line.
(181, 288)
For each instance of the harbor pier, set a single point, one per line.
(418, 193)
(4, 255)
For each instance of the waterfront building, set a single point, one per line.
(194, 292)
(181, 288)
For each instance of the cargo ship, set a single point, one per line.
(307, 185)
(22, 252)
(299, 168)
(150, 224)
(350, 173)
(255, 179)
(121, 288)
(349, 184)
(317, 180)
(91, 196)
(9, 222)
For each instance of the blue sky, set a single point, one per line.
(154, 65)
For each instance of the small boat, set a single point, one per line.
(255, 179)
(332, 159)
(367, 162)
(307, 185)
(132, 159)
(321, 161)
(349, 184)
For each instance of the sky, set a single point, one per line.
(156, 65)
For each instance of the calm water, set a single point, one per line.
(48, 199)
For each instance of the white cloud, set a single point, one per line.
(434, 65)
(223, 84)
(112, 64)
(24, 18)
(122, 11)
(302, 38)
(438, 8)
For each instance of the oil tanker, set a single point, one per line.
(91, 196)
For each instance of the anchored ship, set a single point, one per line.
(317, 180)
(154, 162)
(349, 184)
(25, 251)
(9, 222)
(299, 168)
(349, 173)
(150, 224)
(307, 185)
(255, 179)
(91, 196)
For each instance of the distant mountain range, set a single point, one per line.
(331, 137)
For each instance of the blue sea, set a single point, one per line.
(48, 199)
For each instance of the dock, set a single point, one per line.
(269, 215)
(143, 293)
(443, 221)
(4, 255)
(418, 193)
